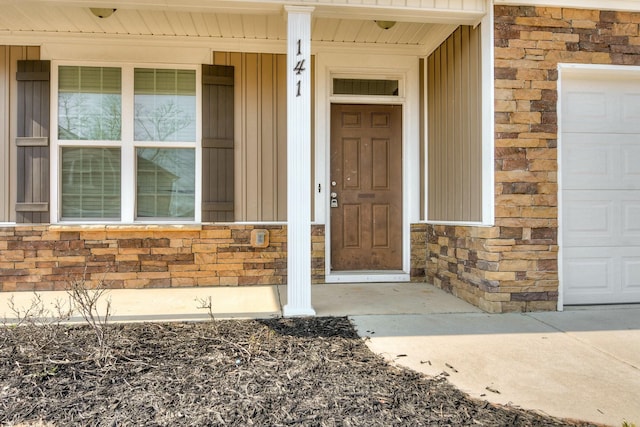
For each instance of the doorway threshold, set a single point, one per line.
(367, 276)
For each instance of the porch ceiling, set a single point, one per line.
(253, 22)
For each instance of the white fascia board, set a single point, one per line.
(183, 49)
(625, 5)
(124, 40)
(401, 14)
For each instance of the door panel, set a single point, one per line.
(366, 167)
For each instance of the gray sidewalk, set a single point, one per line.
(580, 363)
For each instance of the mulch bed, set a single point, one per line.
(276, 372)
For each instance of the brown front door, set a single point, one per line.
(366, 177)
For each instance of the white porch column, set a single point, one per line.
(298, 161)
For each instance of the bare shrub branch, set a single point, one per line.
(85, 301)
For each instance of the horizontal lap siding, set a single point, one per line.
(454, 128)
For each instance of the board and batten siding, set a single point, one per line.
(260, 134)
(454, 88)
(9, 57)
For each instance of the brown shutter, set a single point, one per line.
(217, 143)
(32, 199)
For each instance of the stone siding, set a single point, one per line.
(514, 265)
(43, 257)
(49, 257)
(317, 254)
(418, 252)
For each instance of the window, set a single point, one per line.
(126, 139)
(368, 87)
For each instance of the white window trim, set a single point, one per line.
(126, 144)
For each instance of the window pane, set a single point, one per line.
(165, 183)
(90, 183)
(365, 87)
(165, 105)
(89, 103)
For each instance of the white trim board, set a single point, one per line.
(368, 277)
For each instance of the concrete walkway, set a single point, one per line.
(581, 363)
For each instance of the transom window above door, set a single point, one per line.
(126, 143)
(365, 87)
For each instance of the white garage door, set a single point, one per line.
(600, 181)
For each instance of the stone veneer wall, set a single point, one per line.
(418, 252)
(317, 254)
(43, 257)
(514, 265)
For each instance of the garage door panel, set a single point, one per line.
(587, 162)
(601, 218)
(588, 270)
(600, 161)
(588, 222)
(584, 106)
(631, 275)
(597, 276)
(630, 116)
(602, 107)
(630, 171)
(630, 224)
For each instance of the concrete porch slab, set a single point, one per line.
(178, 304)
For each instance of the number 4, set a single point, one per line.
(299, 68)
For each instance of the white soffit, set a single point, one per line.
(32, 22)
(624, 5)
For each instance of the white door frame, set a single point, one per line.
(406, 71)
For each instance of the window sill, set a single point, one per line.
(125, 227)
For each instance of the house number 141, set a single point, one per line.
(299, 68)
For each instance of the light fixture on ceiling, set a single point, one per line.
(385, 25)
(102, 12)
